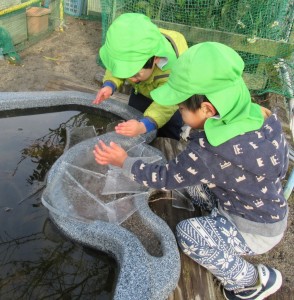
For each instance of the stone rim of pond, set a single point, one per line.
(141, 275)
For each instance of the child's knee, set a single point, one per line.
(186, 242)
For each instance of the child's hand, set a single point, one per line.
(265, 112)
(130, 128)
(112, 154)
(103, 94)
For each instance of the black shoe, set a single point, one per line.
(270, 280)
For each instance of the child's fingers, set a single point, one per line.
(121, 125)
(124, 129)
(114, 146)
(100, 157)
(98, 99)
(97, 155)
(99, 152)
(103, 150)
(97, 149)
(101, 161)
(102, 146)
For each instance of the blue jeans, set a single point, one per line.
(172, 129)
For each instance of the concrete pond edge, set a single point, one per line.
(141, 275)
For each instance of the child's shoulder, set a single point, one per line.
(177, 40)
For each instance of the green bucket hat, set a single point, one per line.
(214, 70)
(130, 41)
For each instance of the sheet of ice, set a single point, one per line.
(181, 200)
(76, 193)
(111, 126)
(77, 134)
(116, 182)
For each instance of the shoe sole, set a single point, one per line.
(274, 288)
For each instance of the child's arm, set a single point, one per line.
(185, 170)
(110, 85)
(178, 173)
(265, 112)
(160, 114)
(155, 117)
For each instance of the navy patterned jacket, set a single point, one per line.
(244, 173)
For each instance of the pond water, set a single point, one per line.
(36, 261)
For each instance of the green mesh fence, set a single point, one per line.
(25, 22)
(260, 31)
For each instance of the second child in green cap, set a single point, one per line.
(238, 150)
(138, 51)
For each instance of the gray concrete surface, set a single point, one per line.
(141, 275)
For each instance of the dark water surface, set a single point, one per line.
(36, 261)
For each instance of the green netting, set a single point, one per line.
(7, 47)
(260, 31)
(20, 29)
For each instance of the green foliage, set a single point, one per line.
(255, 20)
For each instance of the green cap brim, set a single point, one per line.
(167, 94)
(120, 68)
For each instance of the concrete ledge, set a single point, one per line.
(141, 276)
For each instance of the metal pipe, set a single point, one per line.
(61, 16)
(289, 185)
(284, 72)
(17, 7)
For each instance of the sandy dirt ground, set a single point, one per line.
(71, 55)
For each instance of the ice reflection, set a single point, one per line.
(37, 261)
(62, 270)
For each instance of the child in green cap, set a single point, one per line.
(240, 153)
(138, 51)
